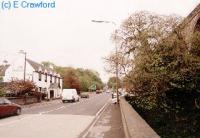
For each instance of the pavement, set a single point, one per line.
(108, 125)
(44, 126)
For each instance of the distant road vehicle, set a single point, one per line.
(8, 108)
(98, 91)
(70, 95)
(84, 95)
(114, 98)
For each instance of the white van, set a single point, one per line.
(70, 95)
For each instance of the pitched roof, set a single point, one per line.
(38, 66)
(3, 69)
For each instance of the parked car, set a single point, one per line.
(98, 91)
(114, 98)
(8, 108)
(84, 95)
(70, 95)
(107, 91)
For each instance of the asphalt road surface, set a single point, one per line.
(53, 119)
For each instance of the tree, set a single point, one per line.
(89, 78)
(71, 80)
(137, 37)
(80, 79)
(112, 82)
(20, 87)
(2, 89)
(1, 79)
(165, 70)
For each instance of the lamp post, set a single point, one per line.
(23, 52)
(116, 53)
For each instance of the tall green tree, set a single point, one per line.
(164, 71)
(71, 80)
(112, 82)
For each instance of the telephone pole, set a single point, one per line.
(116, 53)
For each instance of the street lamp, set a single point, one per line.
(23, 52)
(103, 21)
(116, 53)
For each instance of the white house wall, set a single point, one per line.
(16, 71)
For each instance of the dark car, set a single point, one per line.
(98, 91)
(8, 108)
(84, 95)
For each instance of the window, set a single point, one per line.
(59, 82)
(55, 79)
(45, 77)
(40, 76)
(50, 78)
(45, 90)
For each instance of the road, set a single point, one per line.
(54, 119)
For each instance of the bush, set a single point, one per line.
(167, 124)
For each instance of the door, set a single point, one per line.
(51, 94)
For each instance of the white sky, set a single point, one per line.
(67, 37)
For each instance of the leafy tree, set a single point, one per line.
(71, 80)
(2, 90)
(20, 87)
(137, 38)
(80, 79)
(89, 78)
(164, 72)
(112, 82)
(1, 79)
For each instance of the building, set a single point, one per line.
(190, 24)
(46, 79)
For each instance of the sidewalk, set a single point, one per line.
(109, 124)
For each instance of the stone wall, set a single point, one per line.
(23, 100)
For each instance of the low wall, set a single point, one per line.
(134, 125)
(23, 100)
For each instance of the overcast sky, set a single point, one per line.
(67, 37)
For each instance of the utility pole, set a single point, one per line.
(117, 74)
(116, 53)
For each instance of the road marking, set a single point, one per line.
(20, 118)
(96, 118)
(102, 108)
(40, 105)
(51, 110)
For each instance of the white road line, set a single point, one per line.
(41, 113)
(102, 107)
(36, 106)
(96, 118)
(51, 110)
